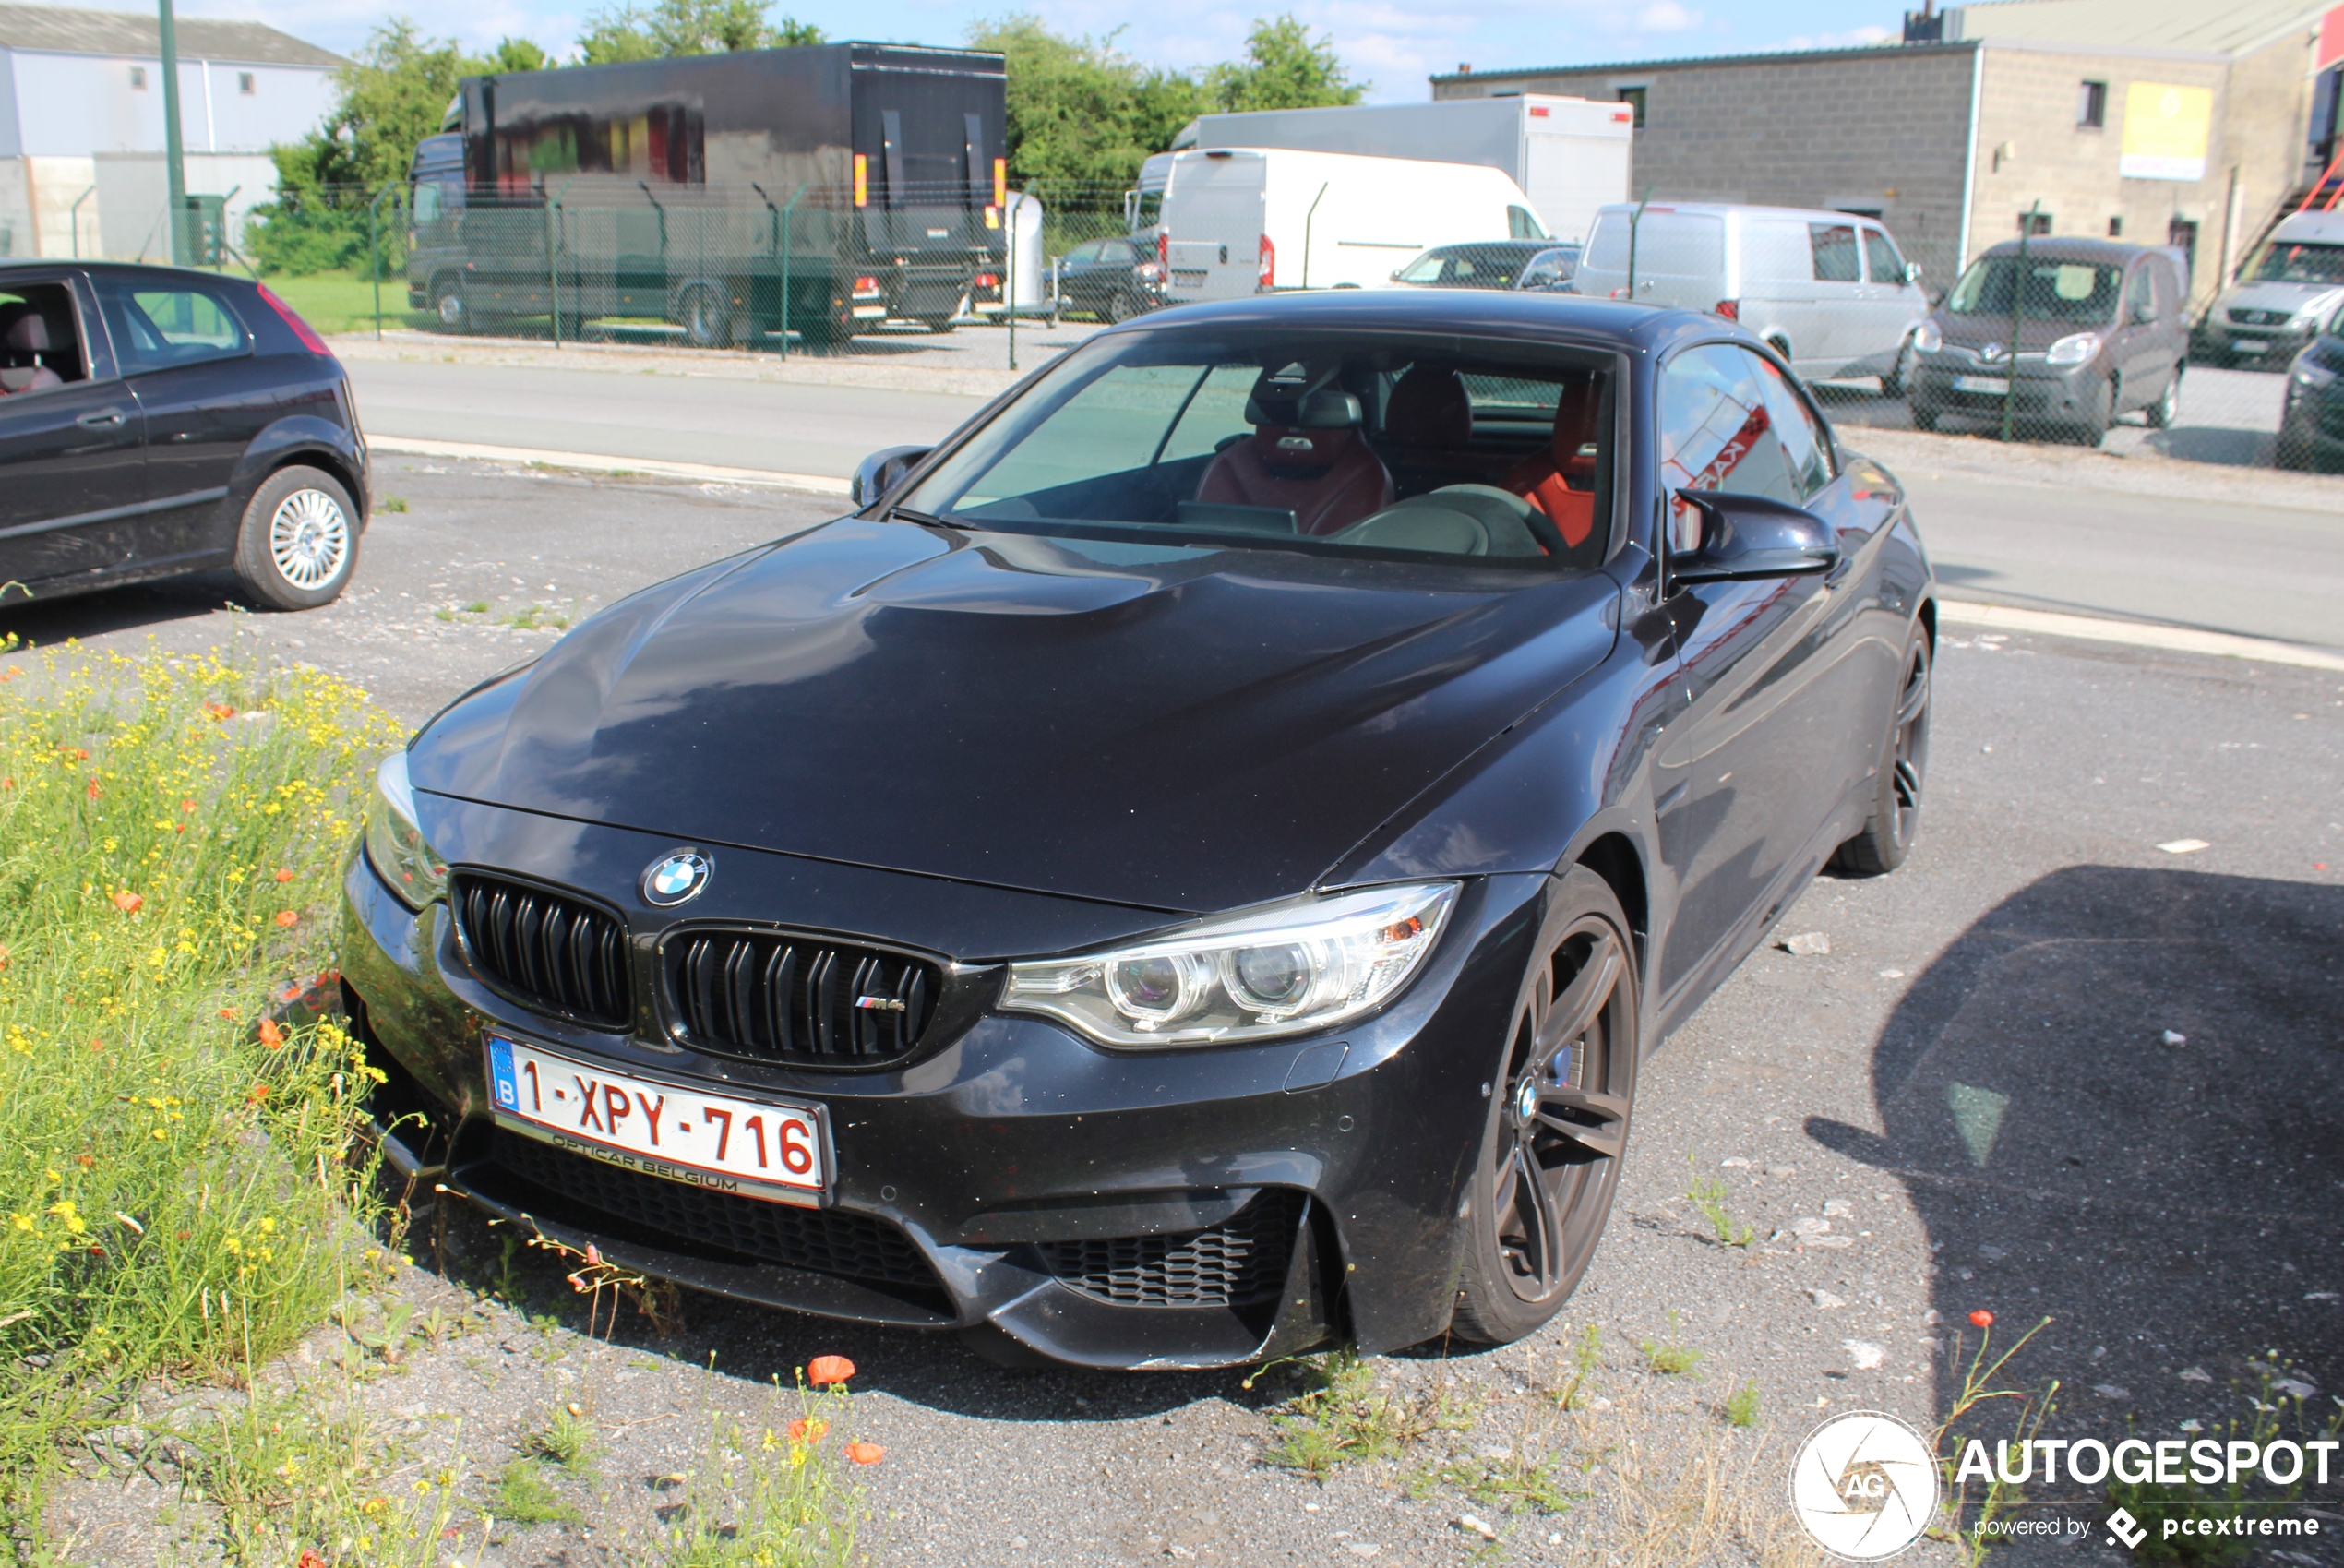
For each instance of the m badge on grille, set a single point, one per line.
(672, 879)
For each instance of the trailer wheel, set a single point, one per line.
(448, 305)
(706, 319)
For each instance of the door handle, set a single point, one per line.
(100, 419)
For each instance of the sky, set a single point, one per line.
(1393, 44)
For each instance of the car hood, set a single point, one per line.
(1170, 726)
(2036, 333)
(2293, 298)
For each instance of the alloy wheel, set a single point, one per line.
(1563, 1127)
(1910, 750)
(308, 539)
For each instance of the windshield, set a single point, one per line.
(2056, 291)
(2298, 264)
(1467, 266)
(1386, 445)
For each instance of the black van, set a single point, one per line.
(827, 187)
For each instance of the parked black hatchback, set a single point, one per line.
(155, 421)
(1112, 279)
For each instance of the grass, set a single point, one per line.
(176, 1195)
(1741, 1408)
(1668, 1359)
(1340, 1418)
(392, 504)
(567, 1439)
(524, 1496)
(1708, 1195)
(344, 302)
(779, 1496)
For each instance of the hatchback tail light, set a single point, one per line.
(1729, 308)
(309, 339)
(988, 281)
(1148, 272)
(866, 286)
(1269, 263)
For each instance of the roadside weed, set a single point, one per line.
(1340, 1418)
(1514, 1479)
(775, 1496)
(524, 1496)
(1708, 1195)
(567, 1439)
(1573, 1394)
(1741, 1409)
(392, 504)
(538, 618)
(1670, 1359)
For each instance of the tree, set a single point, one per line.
(1282, 69)
(1081, 112)
(517, 55)
(672, 28)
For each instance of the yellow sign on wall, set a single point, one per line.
(2166, 129)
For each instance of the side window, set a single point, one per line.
(40, 344)
(1122, 251)
(1521, 225)
(1087, 252)
(426, 202)
(1806, 450)
(1880, 255)
(1718, 432)
(1833, 246)
(2140, 294)
(155, 328)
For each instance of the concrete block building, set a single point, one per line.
(2154, 121)
(81, 118)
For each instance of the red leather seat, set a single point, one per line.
(1315, 467)
(1560, 480)
(24, 337)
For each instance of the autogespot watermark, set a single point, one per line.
(1865, 1486)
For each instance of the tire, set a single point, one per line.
(1899, 377)
(1903, 773)
(2092, 428)
(937, 324)
(1119, 307)
(448, 308)
(298, 543)
(1925, 414)
(706, 319)
(1542, 1184)
(2294, 451)
(2162, 412)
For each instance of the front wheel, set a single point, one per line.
(1558, 1119)
(2098, 415)
(1119, 307)
(1900, 375)
(1895, 821)
(298, 543)
(1925, 414)
(448, 308)
(707, 323)
(2168, 408)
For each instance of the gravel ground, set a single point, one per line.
(1975, 1099)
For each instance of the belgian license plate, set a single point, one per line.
(2249, 345)
(752, 1148)
(1995, 384)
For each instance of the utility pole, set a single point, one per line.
(174, 157)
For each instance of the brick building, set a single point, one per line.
(2155, 120)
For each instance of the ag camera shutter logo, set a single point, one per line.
(1864, 1485)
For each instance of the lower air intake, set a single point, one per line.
(1240, 1262)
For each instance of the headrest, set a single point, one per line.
(1430, 408)
(1576, 413)
(1323, 410)
(22, 330)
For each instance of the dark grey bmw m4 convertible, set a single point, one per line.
(1187, 870)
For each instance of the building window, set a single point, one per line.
(2116, 228)
(1633, 97)
(244, 83)
(138, 78)
(2182, 235)
(2091, 106)
(2034, 223)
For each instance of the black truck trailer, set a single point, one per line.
(823, 188)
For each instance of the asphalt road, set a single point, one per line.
(2233, 550)
(2046, 1070)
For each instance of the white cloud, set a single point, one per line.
(1667, 15)
(1854, 38)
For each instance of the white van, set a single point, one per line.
(2284, 294)
(1829, 290)
(1244, 221)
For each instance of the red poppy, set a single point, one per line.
(287, 917)
(7, 784)
(257, 1093)
(865, 1453)
(94, 790)
(1982, 1318)
(227, 1012)
(220, 711)
(128, 903)
(270, 1035)
(309, 1559)
(283, 875)
(808, 1429)
(186, 806)
(824, 1370)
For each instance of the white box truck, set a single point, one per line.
(1570, 155)
(1239, 221)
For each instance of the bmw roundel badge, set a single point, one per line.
(672, 879)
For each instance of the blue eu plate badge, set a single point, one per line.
(500, 1075)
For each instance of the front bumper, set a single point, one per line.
(984, 1184)
(2040, 393)
(2218, 341)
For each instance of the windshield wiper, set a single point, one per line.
(929, 518)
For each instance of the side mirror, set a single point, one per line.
(1744, 537)
(880, 473)
(1912, 271)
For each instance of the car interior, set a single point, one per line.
(1373, 449)
(40, 347)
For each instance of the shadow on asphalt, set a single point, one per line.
(2169, 1204)
(37, 622)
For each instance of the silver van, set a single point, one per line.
(2288, 289)
(1829, 290)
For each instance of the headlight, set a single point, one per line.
(2076, 348)
(395, 845)
(1927, 338)
(1284, 969)
(2311, 373)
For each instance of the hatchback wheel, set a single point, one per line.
(1900, 375)
(1903, 767)
(1118, 307)
(2162, 412)
(298, 543)
(1558, 1121)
